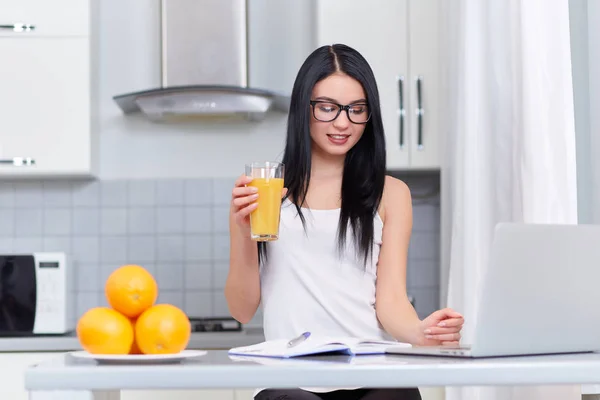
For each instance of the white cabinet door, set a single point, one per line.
(55, 18)
(45, 106)
(424, 72)
(378, 29)
(13, 366)
(399, 39)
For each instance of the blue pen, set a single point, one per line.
(298, 340)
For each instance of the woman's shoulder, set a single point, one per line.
(396, 194)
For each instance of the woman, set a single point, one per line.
(339, 266)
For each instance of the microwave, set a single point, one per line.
(36, 294)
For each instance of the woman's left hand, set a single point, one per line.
(442, 327)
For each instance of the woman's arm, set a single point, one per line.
(242, 288)
(394, 310)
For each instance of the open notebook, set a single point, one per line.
(307, 344)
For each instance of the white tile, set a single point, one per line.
(57, 194)
(27, 244)
(86, 301)
(7, 195)
(113, 221)
(113, 249)
(28, 222)
(197, 220)
(142, 192)
(198, 275)
(57, 221)
(174, 298)
(222, 188)
(198, 304)
(169, 192)
(170, 248)
(57, 243)
(220, 247)
(169, 276)
(220, 272)
(169, 220)
(7, 222)
(221, 219)
(141, 248)
(28, 194)
(86, 194)
(86, 249)
(141, 220)
(86, 221)
(219, 302)
(114, 193)
(424, 245)
(198, 247)
(198, 192)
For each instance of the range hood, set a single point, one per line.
(206, 65)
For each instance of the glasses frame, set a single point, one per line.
(340, 109)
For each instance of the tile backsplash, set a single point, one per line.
(177, 229)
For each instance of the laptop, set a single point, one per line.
(540, 294)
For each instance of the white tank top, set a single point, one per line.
(308, 285)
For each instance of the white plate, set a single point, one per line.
(138, 358)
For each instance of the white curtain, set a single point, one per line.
(510, 143)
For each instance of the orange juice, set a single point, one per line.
(264, 220)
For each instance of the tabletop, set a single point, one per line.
(217, 369)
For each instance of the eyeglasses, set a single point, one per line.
(326, 111)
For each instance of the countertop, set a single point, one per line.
(217, 369)
(69, 342)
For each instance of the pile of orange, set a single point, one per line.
(133, 323)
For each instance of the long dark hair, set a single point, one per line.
(365, 163)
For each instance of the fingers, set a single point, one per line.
(434, 330)
(242, 180)
(244, 192)
(454, 343)
(445, 337)
(243, 198)
(451, 322)
(242, 213)
(449, 313)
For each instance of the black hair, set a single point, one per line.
(364, 165)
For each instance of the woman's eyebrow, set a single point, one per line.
(325, 98)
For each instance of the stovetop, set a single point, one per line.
(215, 324)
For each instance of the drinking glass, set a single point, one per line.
(267, 177)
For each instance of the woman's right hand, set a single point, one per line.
(243, 201)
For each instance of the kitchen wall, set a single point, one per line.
(177, 228)
(162, 194)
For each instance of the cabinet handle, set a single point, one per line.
(420, 111)
(18, 161)
(401, 111)
(18, 27)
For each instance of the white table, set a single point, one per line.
(65, 378)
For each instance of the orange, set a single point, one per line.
(130, 290)
(134, 347)
(102, 330)
(163, 329)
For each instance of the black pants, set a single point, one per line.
(357, 394)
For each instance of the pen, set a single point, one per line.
(298, 340)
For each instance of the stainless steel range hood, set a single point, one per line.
(206, 64)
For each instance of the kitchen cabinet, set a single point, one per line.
(45, 96)
(399, 39)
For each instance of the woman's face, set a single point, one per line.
(337, 137)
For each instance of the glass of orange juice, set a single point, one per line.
(267, 177)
